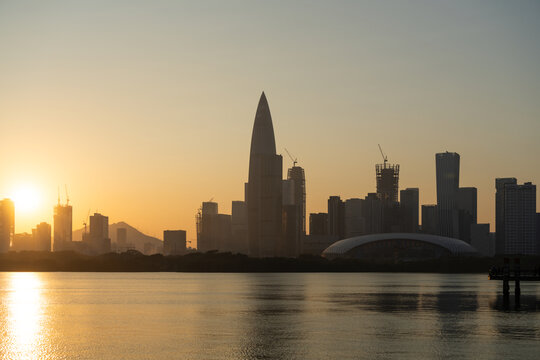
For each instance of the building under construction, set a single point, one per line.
(387, 179)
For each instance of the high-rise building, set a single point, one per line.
(297, 174)
(214, 230)
(374, 213)
(355, 222)
(387, 181)
(239, 227)
(481, 239)
(63, 220)
(174, 242)
(264, 198)
(500, 195)
(98, 238)
(206, 227)
(23, 242)
(467, 210)
(430, 223)
(447, 169)
(336, 217)
(42, 237)
(291, 221)
(409, 205)
(7, 224)
(223, 233)
(318, 224)
(520, 219)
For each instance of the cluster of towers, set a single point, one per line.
(271, 220)
(96, 241)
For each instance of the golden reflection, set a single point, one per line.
(24, 325)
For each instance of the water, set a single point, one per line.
(263, 316)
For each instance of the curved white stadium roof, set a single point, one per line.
(455, 246)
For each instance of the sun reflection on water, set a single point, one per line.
(23, 338)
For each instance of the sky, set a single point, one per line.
(144, 109)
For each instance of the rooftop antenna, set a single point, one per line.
(59, 195)
(67, 196)
(385, 158)
(294, 160)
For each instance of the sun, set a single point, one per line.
(26, 198)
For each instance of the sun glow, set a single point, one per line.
(26, 198)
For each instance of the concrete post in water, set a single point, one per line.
(517, 275)
(506, 278)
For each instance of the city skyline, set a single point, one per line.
(119, 139)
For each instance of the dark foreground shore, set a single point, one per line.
(227, 262)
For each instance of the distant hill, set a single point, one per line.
(134, 236)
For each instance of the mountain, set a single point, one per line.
(134, 236)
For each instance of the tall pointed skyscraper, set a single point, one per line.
(264, 193)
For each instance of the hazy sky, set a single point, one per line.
(145, 108)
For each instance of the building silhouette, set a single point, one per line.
(23, 242)
(467, 211)
(42, 237)
(206, 227)
(239, 227)
(174, 242)
(297, 174)
(482, 240)
(447, 169)
(355, 221)
(387, 176)
(292, 233)
(7, 224)
(318, 224)
(520, 219)
(500, 196)
(97, 240)
(63, 227)
(430, 219)
(409, 205)
(214, 230)
(264, 195)
(336, 217)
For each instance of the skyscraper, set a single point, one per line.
(42, 237)
(500, 186)
(355, 222)
(239, 227)
(7, 224)
(430, 221)
(174, 242)
(291, 221)
(520, 219)
(318, 224)
(264, 198)
(336, 217)
(387, 181)
(447, 168)
(409, 202)
(63, 220)
(98, 238)
(296, 173)
(467, 208)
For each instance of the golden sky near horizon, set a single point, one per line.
(145, 109)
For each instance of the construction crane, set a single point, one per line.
(385, 158)
(86, 221)
(294, 160)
